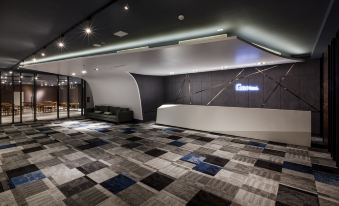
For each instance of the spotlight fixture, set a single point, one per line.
(84, 72)
(126, 7)
(88, 30)
(73, 74)
(181, 17)
(10, 72)
(36, 78)
(43, 54)
(96, 69)
(61, 44)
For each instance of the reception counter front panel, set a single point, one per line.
(284, 126)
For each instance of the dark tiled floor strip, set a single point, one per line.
(86, 162)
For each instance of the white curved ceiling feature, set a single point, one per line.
(227, 53)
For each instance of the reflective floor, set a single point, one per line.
(86, 162)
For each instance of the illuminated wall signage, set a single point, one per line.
(245, 88)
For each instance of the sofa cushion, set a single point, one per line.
(114, 110)
(102, 108)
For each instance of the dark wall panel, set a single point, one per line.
(152, 94)
(299, 90)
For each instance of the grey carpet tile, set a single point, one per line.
(70, 163)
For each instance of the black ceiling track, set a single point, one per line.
(90, 16)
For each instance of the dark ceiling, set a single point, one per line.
(291, 27)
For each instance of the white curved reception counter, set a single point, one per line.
(284, 126)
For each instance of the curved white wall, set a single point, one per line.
(116, 89)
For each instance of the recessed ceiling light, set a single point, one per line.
(181, 17)
(84, 72)
(61, 44)
(10, 72)
(120, 34)
(88, 30)
(73, 74)
(126, 7)
(96, 69)
(43, 54)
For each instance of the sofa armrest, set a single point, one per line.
(124, 116)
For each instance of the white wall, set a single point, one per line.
(117, 89)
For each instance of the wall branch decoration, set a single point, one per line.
(313, 108)
(277, 85)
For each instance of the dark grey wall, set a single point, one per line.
(152, 94)
(300, 90)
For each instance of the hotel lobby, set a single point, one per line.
(128, 103)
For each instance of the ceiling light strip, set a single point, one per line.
(268, 49)
(206, 35)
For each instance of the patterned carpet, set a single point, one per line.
(86, 162)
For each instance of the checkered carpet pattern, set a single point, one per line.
(87, 162)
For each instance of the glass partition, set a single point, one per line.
(18, 104)
(25, 95)
(27, 81)
(46, 97)
(75, 96)
(7, 97)
(63, 93)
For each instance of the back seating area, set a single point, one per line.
(110, 114)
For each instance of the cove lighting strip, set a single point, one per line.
(268, 49)
(184, 35)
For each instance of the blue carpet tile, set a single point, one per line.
(326, 178)
(169, 129)
(207, 168)
(118, 183)
(297, 167)
(104, 130)
(177, 143)
(257, 144)
(193, 158)
(27, 178)
(5, 146)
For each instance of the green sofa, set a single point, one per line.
(110, 114)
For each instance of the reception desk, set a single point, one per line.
(284, 126)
